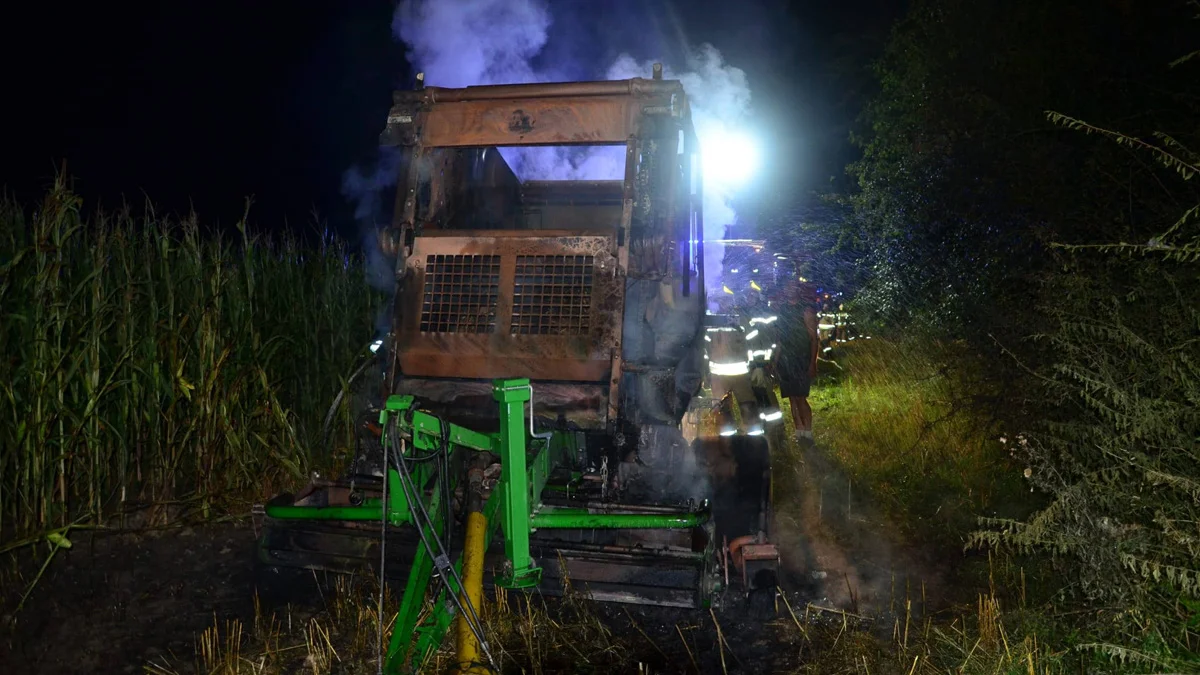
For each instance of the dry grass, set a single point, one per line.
(340, 636)
(530, 635)
(984, 641)
(526, 633)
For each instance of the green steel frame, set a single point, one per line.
(526, 463)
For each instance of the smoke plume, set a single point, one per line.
(460, 43)
(365, 189)
(720, 100)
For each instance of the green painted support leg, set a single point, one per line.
(413, 600)
(514, 483)
(399, 647)
(412, 642)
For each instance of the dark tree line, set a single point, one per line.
(964, 182)
(1027, 188)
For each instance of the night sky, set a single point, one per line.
(205, 103)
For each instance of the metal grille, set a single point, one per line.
(460, 294)
(552, 295)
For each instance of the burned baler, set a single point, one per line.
(525, 279)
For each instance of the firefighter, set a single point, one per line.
(730, 374)
(797, 365)
(761, 348)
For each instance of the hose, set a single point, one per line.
(444, 462)
(440, 558)
(337, 400)
(382, 567)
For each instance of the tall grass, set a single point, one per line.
(143, 361)
(909, 422)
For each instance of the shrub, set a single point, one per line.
(1119, 451)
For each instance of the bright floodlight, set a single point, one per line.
(730, 158)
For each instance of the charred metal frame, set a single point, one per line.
(658, 239)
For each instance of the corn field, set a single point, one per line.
(144, 362)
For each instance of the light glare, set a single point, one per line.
(730, 158)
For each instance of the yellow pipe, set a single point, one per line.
(468, 657)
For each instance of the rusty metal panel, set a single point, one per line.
(583, 204)
(632, 148)
(553, 121)
(461, 293)
(552, 295)
(488, 304)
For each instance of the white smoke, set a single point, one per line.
(460, 43)
(365, 189)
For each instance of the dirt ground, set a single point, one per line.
(837, 550)
(115, 602)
